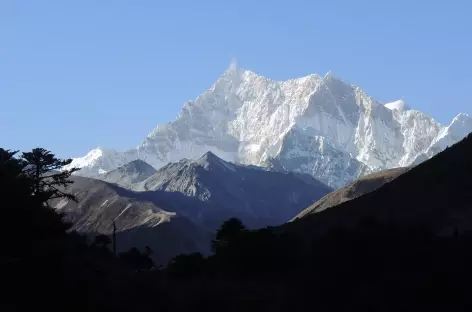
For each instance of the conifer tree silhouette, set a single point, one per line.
(47, 175)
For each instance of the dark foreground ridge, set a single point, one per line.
(403, 247)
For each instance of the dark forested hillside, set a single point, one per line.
(403, 247)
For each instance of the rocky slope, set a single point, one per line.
(318, 125)
(223, 190)
(129, 174)
(139, 220)
(178, 208)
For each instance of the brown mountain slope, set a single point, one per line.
(140, 220)
(178, 208)
(436, 193)
(356, 189)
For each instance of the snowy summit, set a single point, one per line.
(318, 125)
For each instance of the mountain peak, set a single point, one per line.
(246, 118)
(95, 153)
(330, 75)
(133, 172)
(333, 81)
(233, 70)
(137, 165)
(210, 156)
(209, 159)
(462, 116)
(93, 158)
(461, 125)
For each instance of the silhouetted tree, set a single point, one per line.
(15, 183)
(10, 166)
(37, 249)
(23, 211)
(33, 238)
(47, 174)
(229, 230)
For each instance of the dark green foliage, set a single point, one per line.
(13, 181)
(10, 167)
(43, 265)
(22, 214)
(45, 171)
(31, 235)
(229, 230)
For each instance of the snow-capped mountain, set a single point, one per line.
(317, 125)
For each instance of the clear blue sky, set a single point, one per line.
(79, 74)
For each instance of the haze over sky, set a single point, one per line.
(75, 75)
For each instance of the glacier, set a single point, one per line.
(318, 125)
